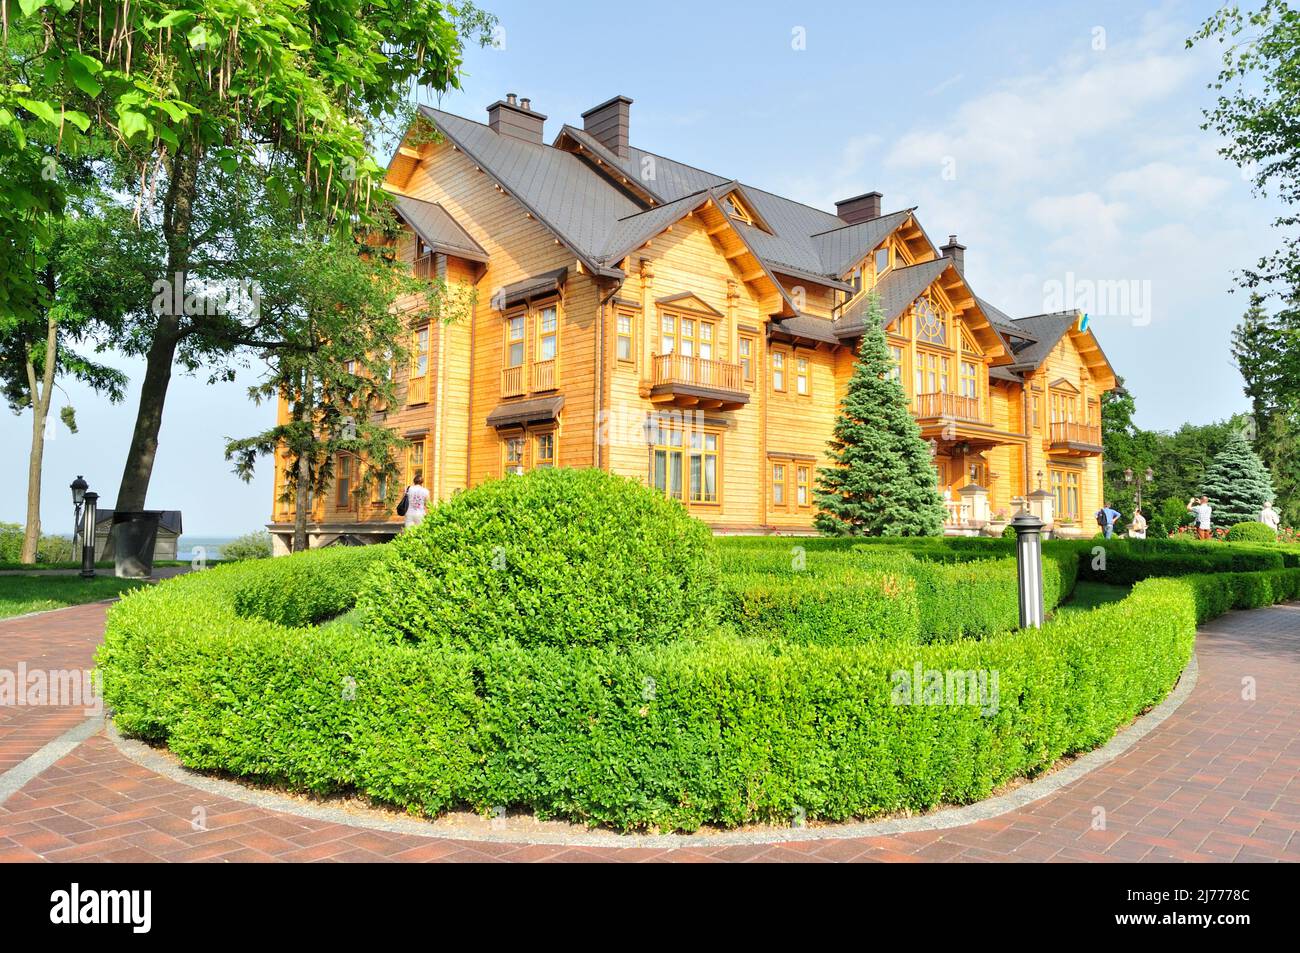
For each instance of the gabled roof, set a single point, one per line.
(603, 207)
(437, 228)
(843, 247)
(559, 189)
(1046, 331)
(896, 291)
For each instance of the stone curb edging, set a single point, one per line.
(942, 819)
(47, 756)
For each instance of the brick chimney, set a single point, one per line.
(860, 208)
(956, 252)
(608, 124)
(515, 117)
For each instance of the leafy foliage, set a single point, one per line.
(882, 481)
(719, 730)
(1251, 531)
(552, 557)
(1257, 118)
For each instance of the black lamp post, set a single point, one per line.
(88, 517)
(79, 486)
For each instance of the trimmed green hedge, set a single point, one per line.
(724, 730)
(846, 595)
(557, 556)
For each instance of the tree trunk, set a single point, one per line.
(178, 215)
(302, 497)
(302, 491)
(40, 398)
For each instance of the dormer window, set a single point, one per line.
(738, 210)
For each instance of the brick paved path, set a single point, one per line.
(1219, 780)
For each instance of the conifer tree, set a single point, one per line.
(883, 481)
(1237, 483)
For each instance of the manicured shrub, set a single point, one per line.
(846, 607)
(719, 730)
(1251, 532)
(558, 556)
(306, 588)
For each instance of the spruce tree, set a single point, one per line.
(882, 481)
(1237, 483)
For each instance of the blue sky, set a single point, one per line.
(1061, 143)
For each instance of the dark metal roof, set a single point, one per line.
(532, 286)
(1046, 330)
(896, 292)
(560, 189)
(843, 247)
(439, 230)
(809, 327)
(519, 413)
(603, 222)
(1005, 374)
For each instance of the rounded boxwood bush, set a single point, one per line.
(553, 557)
(1251, 532)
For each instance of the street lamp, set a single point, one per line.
(1146, 478)
(79, 486)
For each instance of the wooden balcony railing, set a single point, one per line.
(417, 390)
(1064, 432)
(544, 375)
(954, 406)
(512, 381)
(696, 371)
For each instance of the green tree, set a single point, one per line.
(1127, 448)
(295, 92)
(338, 333)
(1267, 351)
(1237, 483)
(1257, 117)
(90, 277)
(882, 481)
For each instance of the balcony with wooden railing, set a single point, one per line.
(689, 381)
(512, 381)
(543, 376)
(1081, 440)
(944, 406)
(417, 390)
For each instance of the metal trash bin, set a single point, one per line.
(132, 538)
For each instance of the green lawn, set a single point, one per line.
(22, 594)
(102, 564)
(1090, 595)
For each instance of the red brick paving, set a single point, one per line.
(1219, 780)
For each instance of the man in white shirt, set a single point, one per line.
(417, 501)
(1268, 516)
(1202, 512)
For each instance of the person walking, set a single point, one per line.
(415, 502)
(1268, 516)
(1137, 529)
(1106, 518)
(1203, 513)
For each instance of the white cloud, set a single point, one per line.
(1175, 189)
